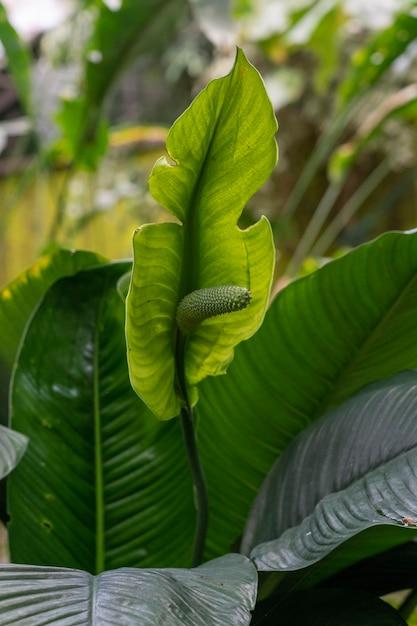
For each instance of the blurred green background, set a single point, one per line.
(88, 89)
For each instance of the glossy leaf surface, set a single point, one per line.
(329, 607)
(324, 338)
(103, 484)
(20, 297)
(217, 593)
(221, 150)
(352, 469)
(12, 448)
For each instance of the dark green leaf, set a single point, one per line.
(330, 607)
(324, 338)
(352, 469)
(215, 594)
(18, 60)
(103, 484)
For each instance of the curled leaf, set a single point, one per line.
(220, 152)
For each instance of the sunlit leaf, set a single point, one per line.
(220, 151)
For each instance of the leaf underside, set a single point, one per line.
(354, 468)
(217, 593)
(12, 448)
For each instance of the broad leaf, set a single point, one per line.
(217, 593)
(329, 607)
(103, 484)
(324, 338)
(354, 468)
(18, 60)
(12, 448)
(20, 297)
(221, 151)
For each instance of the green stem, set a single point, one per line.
(197, 472)
(409, 604)
(200, 488)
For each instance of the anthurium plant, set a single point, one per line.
(180, 459)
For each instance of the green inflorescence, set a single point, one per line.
(210, 302)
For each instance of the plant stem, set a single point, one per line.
(409, 604)
(190, 441)
(200, 488)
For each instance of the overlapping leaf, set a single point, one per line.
(103, 484)
(217, 593)
(353, 469)
(324, 338)
(220, 151)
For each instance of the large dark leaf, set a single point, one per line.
(329, 608)
(103, 484)
(324, 338)
(353, 469)
(217, 593)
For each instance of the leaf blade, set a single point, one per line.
(356, 472)
(220, 150)
(219, 592)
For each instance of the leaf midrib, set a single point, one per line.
(98, 457)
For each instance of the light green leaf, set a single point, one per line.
(12, 448)
(221, 151)
(354, 468)
(103, 484)
(217, 593)
(18, 60)
(20, 297)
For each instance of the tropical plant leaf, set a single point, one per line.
(221, 150)
(330, 607)
(324, 338)
(20, 297)
(18, 60)
(352, 469)
(12, 448)
(370, 62)
(217, 593)
(118, 36)
(103, 484)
